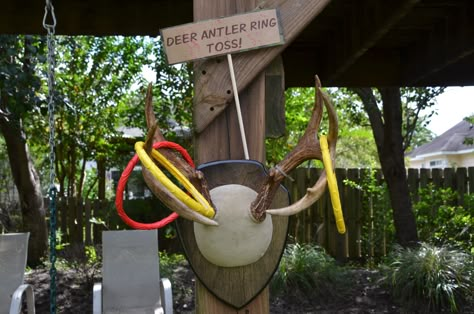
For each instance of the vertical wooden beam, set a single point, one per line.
(275, 125)
(215, 91)
(221, 140)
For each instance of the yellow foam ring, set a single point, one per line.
(201, 206)
(332, 185)
(182, 179)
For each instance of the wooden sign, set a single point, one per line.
(222, 36)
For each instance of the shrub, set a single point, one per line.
(430, 278)
(84, 259)
(439, 221)
(308, 270)
(169, 263)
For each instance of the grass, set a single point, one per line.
(430, 278)
(308, 271)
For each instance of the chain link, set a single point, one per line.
(51, 28)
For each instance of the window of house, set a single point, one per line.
(436, 163)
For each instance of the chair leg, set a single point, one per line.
(97, 299)
(166, 295)
(15, 306)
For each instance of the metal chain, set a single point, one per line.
(50, 28)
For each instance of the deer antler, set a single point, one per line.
(307, 148)
(194, 176)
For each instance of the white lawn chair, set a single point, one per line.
(13, 253)
(130, 275)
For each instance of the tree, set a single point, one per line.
(18, 87)
(356, 147)
(469, 140)
(93, 76)
(416, 100)
(391, 144)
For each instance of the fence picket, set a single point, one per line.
(352, 214)
(62, 214)
(300, 217)
(413, 177)
(341, 239)
(87, 222)
(449, 178)
(461, 184)
(97, 228)
(437, 177)
(470, 175)
(425, 178)
(79, 223)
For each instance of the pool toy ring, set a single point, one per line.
(194, 201)
(123, 181)
(332, 185)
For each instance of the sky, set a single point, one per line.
(452, 106)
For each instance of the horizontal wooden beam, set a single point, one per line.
(450, 41)
(362, 30)
(213, 75)
(96, 17)
(379, 67)
(432, 40)
(458, 74)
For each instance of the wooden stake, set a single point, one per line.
(237, 107)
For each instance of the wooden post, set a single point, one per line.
(221, 140)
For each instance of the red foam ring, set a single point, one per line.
(123, 182)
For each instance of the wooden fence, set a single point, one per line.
(82, 221)
(368, 219)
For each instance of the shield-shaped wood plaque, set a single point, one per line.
(237, 286)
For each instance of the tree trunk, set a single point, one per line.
(29, 188)
(387, 130)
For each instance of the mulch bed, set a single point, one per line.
(74, 294)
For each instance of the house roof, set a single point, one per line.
(450, 142)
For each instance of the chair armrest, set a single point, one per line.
(166, 295)
(15, 306)
(97, 298)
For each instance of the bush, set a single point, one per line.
(440, 221)
(169, 263)
(308, 270)
(430, 278)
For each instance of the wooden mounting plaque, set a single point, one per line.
(237, 286)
